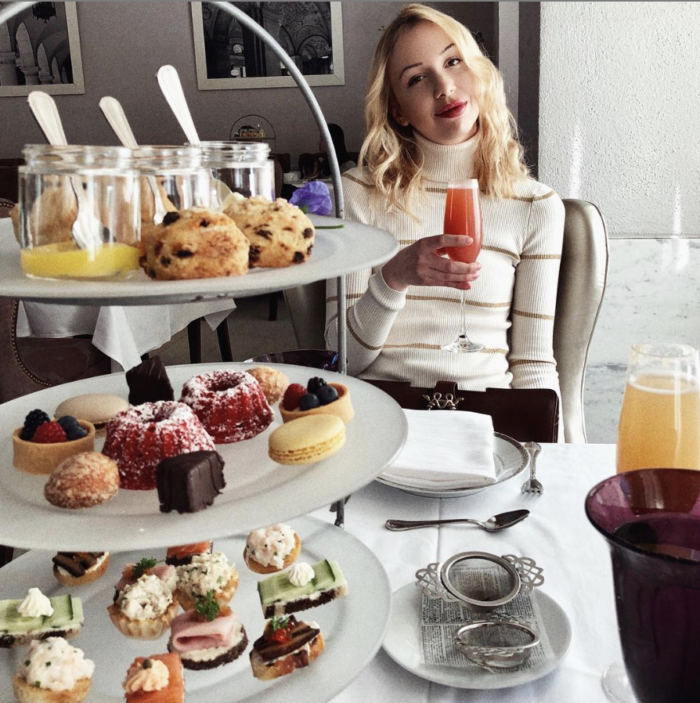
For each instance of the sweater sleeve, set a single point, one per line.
(371, 305)
(531, 356)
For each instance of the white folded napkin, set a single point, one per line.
(445, 449)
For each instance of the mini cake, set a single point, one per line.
(155, 679)
(140, 438)
(204, 573)
(230, 404)
(149, 382)
(79, 568)
(82, 481)
(273, 382)
(53, 671)
(40, 445)
(280, 234)
(38, 617)
(97, 408)
(301, 588)
(189, 482)
(307, 440)
(318, 398)
(145, 609)
(182, 554)
(194, 243)
(271, 549)
(285, 645)
(208, 636)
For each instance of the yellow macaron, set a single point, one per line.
(307, 440)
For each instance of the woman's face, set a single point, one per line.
(433, 90)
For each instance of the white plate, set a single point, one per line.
(258, 491)
(402, 644)
(353, 626)
(336, 252)
(510, 459)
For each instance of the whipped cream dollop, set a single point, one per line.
(206, 572)
(270, 546)
(35, 605)
(300, 574)
(55, 665)
(146, 599)
(149, 675)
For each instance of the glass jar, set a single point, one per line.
(171, 178)
(240, 167)
(78, 212)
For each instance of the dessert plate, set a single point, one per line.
(353, 626)
(510, 459)
(402, 644)
(258, 491)
(336, 252)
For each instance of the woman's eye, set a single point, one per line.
(454, 61)
(415, 79)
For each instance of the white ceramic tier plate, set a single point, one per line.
(509, 457)
(353, 626)
(336, 252)
(402, 644)
(258, 491)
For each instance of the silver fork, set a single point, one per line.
(532, 486)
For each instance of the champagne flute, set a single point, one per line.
(660, 417)
(463, 216)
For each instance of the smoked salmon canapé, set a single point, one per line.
(155, 679)
(182, 554)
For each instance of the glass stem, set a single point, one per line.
(463, 315)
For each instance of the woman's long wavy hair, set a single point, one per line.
(390, 150)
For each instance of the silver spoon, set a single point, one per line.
(116, 117)
(87, 230)
(493, 524)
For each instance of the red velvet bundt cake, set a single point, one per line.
(230, 404)
(139, 438)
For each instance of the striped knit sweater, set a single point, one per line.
(397, 335)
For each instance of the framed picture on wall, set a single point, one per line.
(230, 56)
(40, 50)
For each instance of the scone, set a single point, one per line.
(271, 549)
(195, 243)
(280, 234)
(83, 481)
(53, 212)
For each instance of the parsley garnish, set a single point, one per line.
(279, 623)
(329, 226)
(140, 569)
(208, 607)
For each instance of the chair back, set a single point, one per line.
(582, 280)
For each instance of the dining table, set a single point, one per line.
(556, 534)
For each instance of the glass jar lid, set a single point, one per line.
(231, 153)
(73, 158)
(175, 159)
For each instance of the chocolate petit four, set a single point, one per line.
(190, 482)
(149, 382)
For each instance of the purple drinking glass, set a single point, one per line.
(651, 520)
(313, 358)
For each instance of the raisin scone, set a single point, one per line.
(194, 243)
(52, 214)
(280, 234)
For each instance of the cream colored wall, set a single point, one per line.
(124, 44)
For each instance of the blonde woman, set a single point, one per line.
(436, 110)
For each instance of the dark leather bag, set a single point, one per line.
(525, 414)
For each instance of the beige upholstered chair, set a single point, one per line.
(582, 280)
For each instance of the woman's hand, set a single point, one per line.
(421, 264)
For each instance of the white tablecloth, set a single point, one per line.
(123, 333)
(557, 535)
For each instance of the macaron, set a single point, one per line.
(307, 440)
(97, 408)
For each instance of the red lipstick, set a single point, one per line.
(451, 110)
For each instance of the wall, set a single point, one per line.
(618, 126)
(124, 44)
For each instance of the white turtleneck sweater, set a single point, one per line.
(395, 335)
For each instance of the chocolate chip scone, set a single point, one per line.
(280, 234)
(194, 243)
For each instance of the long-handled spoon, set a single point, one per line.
(493, 524)
(171, 87)
(116, 117)
(87, 230)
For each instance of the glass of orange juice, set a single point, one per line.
(660, 417)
